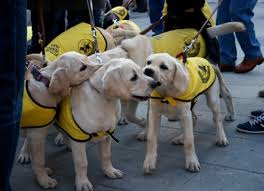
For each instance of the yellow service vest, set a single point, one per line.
(202, 77)
(68, 124)
(78, 38)
(133, 25)
(174, 42)
(35, 114)
(119, 11)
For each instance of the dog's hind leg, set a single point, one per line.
(226, 95)
(142, 136)
(24, 155)
(131, 114)
(213, 102)
(179, 139)
(123, 119)
(106, 163)
(36, 141)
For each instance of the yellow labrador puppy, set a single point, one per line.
(93, 110)
(39, 106)
(180, 86)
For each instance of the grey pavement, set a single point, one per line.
(238, 167)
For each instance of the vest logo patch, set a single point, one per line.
(86, 47)
(53, 49)
(204, 73)
(194, 51)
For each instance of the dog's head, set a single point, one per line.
(168, 71)
(68, 70)
(124, 79)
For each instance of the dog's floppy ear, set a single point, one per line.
(114, 85)
(38, 60)
(59, 83)
(179, 75)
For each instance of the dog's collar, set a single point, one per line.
(34, 69)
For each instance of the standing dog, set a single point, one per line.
(97, 110)
(39, 106)
(180, 85)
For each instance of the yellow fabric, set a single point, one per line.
(133, 25)
(206, 10)
(174, 42)
(67, 123)
(78, 38)
(202, 76)
(33, 114)
(29, 33)
(120, 11)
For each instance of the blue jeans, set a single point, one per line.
(238, 10)
(155, 12)
(12, 70)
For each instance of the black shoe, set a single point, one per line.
(257, 113)
(253, 126)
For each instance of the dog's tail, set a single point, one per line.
(225, 28)
(226, 95)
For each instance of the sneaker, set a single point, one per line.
(257, 113)
(253, 126)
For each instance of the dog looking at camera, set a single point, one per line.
(180, 85)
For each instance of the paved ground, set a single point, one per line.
(238, 167)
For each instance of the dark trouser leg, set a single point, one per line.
(12, 69)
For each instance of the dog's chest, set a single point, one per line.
(95, 113)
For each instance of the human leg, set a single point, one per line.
(12, 69)
(155, 12)
(242, 11)
(228, 53)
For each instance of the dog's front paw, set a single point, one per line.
(149, 164)
(230, 117)
(192, 164)
(142, 136)
(47, 182)
(84, 185)
(113, 173)
(59, 140)
(24, 158)
(222, 142)
(178, 140)
(122, 121)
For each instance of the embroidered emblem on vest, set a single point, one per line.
(204, 73)
(86, 47)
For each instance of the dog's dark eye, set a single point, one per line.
(148, 62)
(83, 67)
(134, 78)
(163, 67)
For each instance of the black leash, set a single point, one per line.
(92, 23)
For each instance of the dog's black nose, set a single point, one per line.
(154, 84)
(149, 72)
